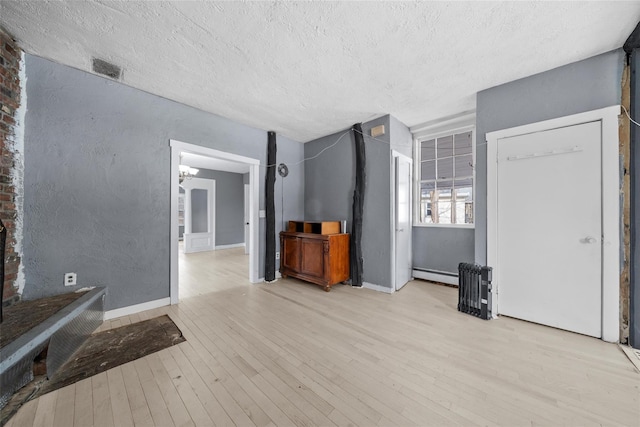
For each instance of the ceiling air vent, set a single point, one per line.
(106, 69)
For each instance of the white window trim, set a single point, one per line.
(463, 122)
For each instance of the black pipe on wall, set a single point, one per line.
(270, 205)
(358, 208)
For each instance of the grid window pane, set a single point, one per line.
(463, 143)
(425, 205)
(446, 180)
(445, 168)
(428, 150)
(444, 206)
(462, 183)
(428, 170)
(426, 187)
(445, 184)
(464, 166)
(445, 146)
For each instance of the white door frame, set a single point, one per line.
(394, 155)
(210, 185)
(178, 147)
(246, 218)
(610, 208)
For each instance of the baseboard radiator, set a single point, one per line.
(474, 290)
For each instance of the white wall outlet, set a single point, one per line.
(277, 255)
(70, 279)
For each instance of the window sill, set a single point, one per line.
(445, 225)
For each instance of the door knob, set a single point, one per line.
(399, 229)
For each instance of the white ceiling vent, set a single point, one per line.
(106, 69)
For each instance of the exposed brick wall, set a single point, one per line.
(10, 61)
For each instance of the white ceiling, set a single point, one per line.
(308, 69)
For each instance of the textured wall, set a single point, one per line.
(442, 248)
(401, 137)
(97, 190)
(10, 161)
(575, 88)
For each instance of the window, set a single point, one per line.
(445, 179)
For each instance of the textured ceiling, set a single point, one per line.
(308, 69)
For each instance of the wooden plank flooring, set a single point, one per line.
(289, 354)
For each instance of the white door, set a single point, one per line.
(549, 227)
(199, 212)
(247, 203)
(402, 215)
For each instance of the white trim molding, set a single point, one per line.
(136, 308)
(231, 246)
(610, 208)
(444, 125)
(436, 277)
(378, 288)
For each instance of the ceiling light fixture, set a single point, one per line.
(187, 172)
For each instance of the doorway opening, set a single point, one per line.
(215, 160)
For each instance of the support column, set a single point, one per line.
(358, 208)
(270, 253)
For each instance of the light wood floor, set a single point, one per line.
(288, 353)
(211, 271)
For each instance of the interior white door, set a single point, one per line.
(402, 216)
(199, 211)
(549, 227)
(247, 204)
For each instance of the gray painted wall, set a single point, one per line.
(442, 248)
(289, 190)
(329, 184)
(401, 137)
(229, 205)
(574, 88)
(97, 181)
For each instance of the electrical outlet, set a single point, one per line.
(277, 255)
(70, 279)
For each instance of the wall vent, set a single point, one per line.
(106, 69)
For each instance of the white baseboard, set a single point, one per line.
(378, 288)
(436, 277)
(136, 308)
(233, 245)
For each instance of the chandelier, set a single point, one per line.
(186, 172)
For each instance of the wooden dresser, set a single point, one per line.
(315, 251)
